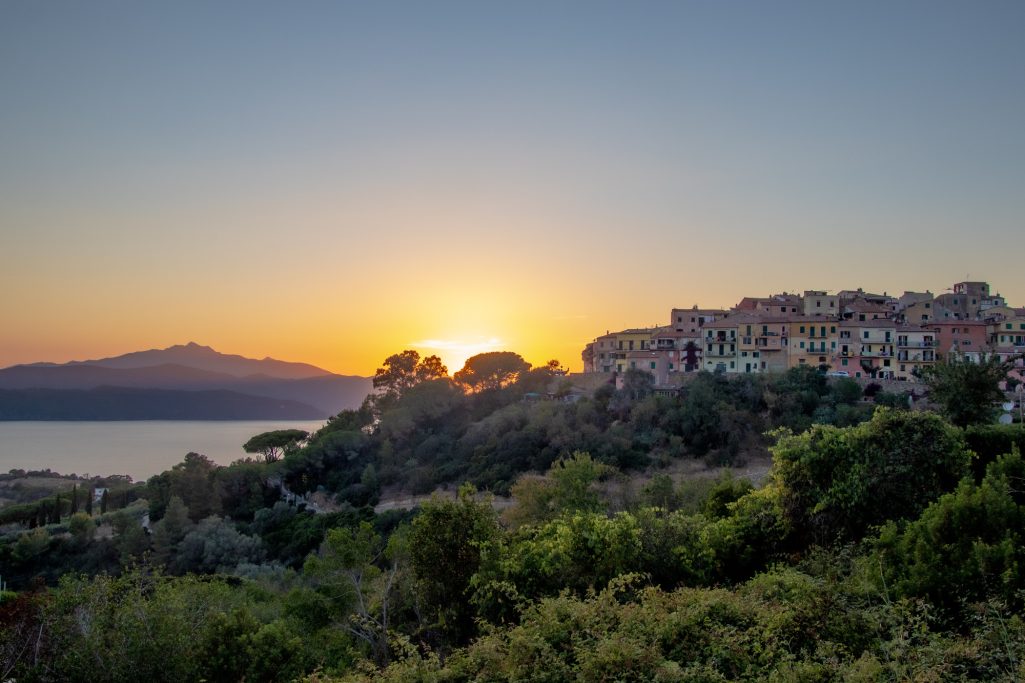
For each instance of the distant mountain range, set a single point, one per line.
(190, 380)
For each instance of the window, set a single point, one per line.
(865, 334)
(653, 365)
(832, 330)
(802, 329)
(633, 365)
(818, 304)
(732, 365)
(670, 366)
(802, 345)
(843, 361)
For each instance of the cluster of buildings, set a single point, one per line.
(851, 333)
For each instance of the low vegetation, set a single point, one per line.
(884, 544)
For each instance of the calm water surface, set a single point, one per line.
(138, 449)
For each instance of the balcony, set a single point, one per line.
(768, 344)
(916, 344)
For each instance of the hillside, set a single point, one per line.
(120, 403)
(190, 368)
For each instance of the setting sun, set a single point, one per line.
(454, 352)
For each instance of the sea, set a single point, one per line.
(139, 449)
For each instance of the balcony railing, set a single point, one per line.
(917, 344)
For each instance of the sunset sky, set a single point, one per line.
(334, 182)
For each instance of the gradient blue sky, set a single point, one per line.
(334, 182)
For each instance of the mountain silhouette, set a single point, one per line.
(187, 368)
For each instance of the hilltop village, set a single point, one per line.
(852, 333)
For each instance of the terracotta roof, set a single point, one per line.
(861, 306)
(878, 322)
(646, 353)
(671, 333)
(958, 323)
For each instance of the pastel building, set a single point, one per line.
(970, 338)
(865, 334)
(868, 346)
(820, 303)
(720, 346)
(812, 341)
(693, 319)
(682, 349)
(916, 351)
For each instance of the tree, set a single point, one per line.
(82, 528)
(967, 391)
(273, 445)
(569, 486)
(214, 545)
(445, 545)
(967, 546)
(346, 570)
(74, 499)
(836, 483)
(89, 501)
(492, 370)
(170, 531)
(403, 371)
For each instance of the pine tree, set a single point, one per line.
(57, 510)
(103, 503)
(89, 502)
(74, 499)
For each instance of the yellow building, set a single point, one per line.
(813, 341)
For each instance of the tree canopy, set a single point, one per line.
(968, 392)
(492, 370)
(273, 445)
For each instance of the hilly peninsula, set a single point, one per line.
(187, 382)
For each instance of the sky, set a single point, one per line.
(335, 182)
